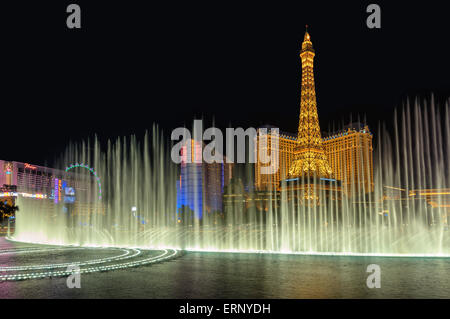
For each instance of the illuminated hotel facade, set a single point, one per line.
(57, 192)
(200, 185)
(28, 180)
(349, 152)
(286, 143)
(25, 180)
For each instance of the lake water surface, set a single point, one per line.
(234, 275)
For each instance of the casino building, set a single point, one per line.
(53, 187)
(349, 152)
(27, 180)
(200, 185)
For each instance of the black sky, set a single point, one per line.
(132, 65)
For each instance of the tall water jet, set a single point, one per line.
(406, 214)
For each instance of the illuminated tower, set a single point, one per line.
(309, 156)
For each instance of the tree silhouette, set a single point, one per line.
(7, 210)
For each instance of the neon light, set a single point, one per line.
(30, 166)
(56, 191)
(59, 190)
(328, 179)
(28, 195)
(90, 169)
(434, 193)
(8, 194)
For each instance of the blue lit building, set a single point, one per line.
(200, 185)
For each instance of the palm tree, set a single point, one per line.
(7, 210)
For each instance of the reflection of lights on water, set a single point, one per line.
(313, 253)
(124, 255)
(127, 254)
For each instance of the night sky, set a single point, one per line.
(132, 65)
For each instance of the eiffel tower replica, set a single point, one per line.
(310, 166)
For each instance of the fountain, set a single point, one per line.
(138, 204)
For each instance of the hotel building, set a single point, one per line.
(49, 185)
(349, 152)
(201, 185)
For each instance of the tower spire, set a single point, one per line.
(307, 37)
(309, 157)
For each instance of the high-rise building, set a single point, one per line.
(200, 186)
(59, 191)
(39, 182)
(350, 153)
(216, 177)
(286, 144)
(190, 184)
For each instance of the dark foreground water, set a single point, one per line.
(222, 275)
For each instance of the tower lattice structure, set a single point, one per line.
(310, 158)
